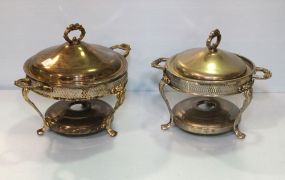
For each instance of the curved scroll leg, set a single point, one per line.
(162, 84)
(119, 92)
(248, 97)
(25, 92)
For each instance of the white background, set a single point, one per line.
(154, 28)
(141, 151)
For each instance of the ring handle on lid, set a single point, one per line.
(213, 46)
(73, 27)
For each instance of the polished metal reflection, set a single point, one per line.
(205, 115)
(208, 73)
(76, 72)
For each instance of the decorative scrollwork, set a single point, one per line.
(205, 88)
(247, 99)
(75, 94)
(246, 86)
(73, 27)
(164, 81)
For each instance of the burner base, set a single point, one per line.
(77, 118)
(205, 115)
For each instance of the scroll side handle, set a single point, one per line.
(266, 73)
(23, 83)
(27, 83)
(124, 47)
(155, 63)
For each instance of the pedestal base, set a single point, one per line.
(78, 118)
(205, 115)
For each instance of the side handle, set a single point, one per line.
(266, 74)
(125, 47)
(25, 83)
(155, 63)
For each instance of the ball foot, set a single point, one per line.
(41, 131)
(112, 132)
(239, 134)
(166, 126)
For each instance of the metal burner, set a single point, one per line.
(79, 117)
(203, 115)
(208, 72)
(77, 72)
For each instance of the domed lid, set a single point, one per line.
(207, 63)
(76, 63)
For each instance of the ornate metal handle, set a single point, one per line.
(156, 63)
(125, 47)
(73, 27)
(266, 73)
(27, 84)
(23, 83)
(213, 46)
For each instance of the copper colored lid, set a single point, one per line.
(76, 63)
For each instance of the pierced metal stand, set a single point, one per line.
(61, 119)
(225, 117)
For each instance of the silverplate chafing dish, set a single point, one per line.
(208, 74)
(77, 74)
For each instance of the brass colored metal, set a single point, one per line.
(73, 27)
(124, 47)
(25, 92)
(164, 81)
(205, 115)
(77, 64)
(90, 118)
(208, 72)
(77, 72)
(214, 34)
(203, 64)
(247, 99)
(208, 63)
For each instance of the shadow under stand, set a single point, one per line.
(208, 73)
(77, 74)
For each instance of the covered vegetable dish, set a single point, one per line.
(208, 73)
(77, 74)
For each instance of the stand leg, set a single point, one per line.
(119, 92)
(248, 97)
(162, 84)
(25, 92)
